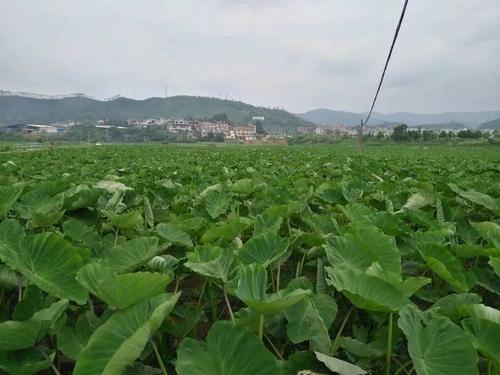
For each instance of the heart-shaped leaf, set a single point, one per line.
(120, 341)
(229, 350)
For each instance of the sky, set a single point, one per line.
(292, 54)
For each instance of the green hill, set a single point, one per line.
(493, 124)
(23, 109)
(329, 117)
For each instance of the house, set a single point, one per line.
(181, 126)
(319, 131)
(204, 128)
(38, 129)
(245, 132)
(305, 130)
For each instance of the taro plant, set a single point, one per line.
(159, 259)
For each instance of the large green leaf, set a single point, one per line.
(26, 362)
(8, 196)
(16, 335)
(453, 304)
(442, 262)
(127, 220)
(267, 222)
(361, 246)
(8, 278)
(252, 286)
(72, 340)
(213, 261)
(485, 336)
(476, 197)
(489, 231)
(244, 186)
(420, 199)
(494, 262)
(82, 234)
(264, 248)
(41, 208)
(480, 311)
(226, 231)
(132, 254)
(80, 196)
(120, 291)
(303, 363)
(361, 349)
(34, 299)
(111, 186)
(306, 323)
(339, 366)
(436, 345)
(45, 259)
(118, 342)
(173, 234)
(229, 350)
(11, 234)
(366, 291)
(216, 203)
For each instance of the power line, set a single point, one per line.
(387, 61)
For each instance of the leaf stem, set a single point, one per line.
(20, 288)
(213, 303)
(403, 367)
(278, 273)
(342, 325)
(274, 347)
(54, 368)
(116, 236)
(224, 291)
(272, 280)
(158, 358)
(261, 326)
(389, 347)
(301, 264)
(201, 292)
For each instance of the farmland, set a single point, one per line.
(209, 260)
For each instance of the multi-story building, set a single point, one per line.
(204, 128)
(305, 130)
(245, 132)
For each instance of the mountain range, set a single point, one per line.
(328, 117)
(42, 109)
(493, 124)
(23, 107)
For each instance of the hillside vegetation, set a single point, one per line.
(493, 124)
(18, 109)
(328, 117)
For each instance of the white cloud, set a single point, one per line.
(295, 54)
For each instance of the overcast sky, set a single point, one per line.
(295, 54)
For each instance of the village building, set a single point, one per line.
(205, 128)
(305, 130)
(245, 132)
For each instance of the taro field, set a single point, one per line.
(229, 260)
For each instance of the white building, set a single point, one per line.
(245, 132)
(33, 128)
(206, 127)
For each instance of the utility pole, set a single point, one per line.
(359, 140)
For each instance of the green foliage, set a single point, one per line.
(436, 345)
(228, 351)
(289, 259)
(16, 109)
(119, 342)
